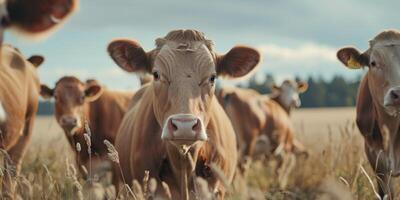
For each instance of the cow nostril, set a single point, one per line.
(394, 95)
(196, 126)
(174, 127)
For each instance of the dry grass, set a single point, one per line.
(332, 171)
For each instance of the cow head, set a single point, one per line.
(383, 62)
(288, 93)
(71, 101)
(34, 16)
(184, 68)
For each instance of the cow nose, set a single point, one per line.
(184, 129)
(393, 98)
(395, 95)
(68, 122)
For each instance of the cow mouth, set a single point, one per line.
(392, 110)
(70, 130)
(184, 142)
(184, 147)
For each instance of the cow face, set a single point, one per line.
(288, 93)
(184, 69)
(71, 101)
(383, 62)
(34, 16)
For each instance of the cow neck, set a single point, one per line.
(276, 98)
(392, 123)
(183, 167)
(78, 136)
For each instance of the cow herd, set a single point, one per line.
(179, 125)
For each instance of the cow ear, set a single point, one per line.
(93, 92)
(275, 88)
(302, 86)
(46, 92)
(35, 16)
(365, 109)
(238, 62)
(36, 60)
(352, 58)
(129, 55)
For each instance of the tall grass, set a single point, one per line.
(337, 170)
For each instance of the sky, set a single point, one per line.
(296, 38)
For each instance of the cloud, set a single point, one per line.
(303, 60)
(305, 54)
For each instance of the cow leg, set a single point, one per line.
(379, 164)
(14, 163)
(245, 159)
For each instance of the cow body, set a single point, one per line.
(102, 112)
(254, 115)
(141, 148)
(177, 129)
(378, 104)
(19, 92)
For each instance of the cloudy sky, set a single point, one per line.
(296, 38)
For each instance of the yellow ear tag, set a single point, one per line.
(353, 64)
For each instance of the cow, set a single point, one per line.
(34, 17)
(101, 109)
(19, 87)
(287, 94)
(378, 104)
(262, 126)
(177, 130)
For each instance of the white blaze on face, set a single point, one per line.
(290, 96)
(3, 114)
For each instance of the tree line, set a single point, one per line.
(336, 92)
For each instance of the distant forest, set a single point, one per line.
(321, 93)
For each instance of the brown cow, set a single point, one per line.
(287, 94)
(254, 115)
(378, 104)
(178, 129)
(19, 86)
(77, 103)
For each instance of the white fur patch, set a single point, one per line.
(3, 114)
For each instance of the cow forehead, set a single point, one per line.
(389, 52)
(289, 85)
(185, 57)
(69, 88)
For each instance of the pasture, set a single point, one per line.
(333, 170)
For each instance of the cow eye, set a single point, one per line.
(212, 78)
(156, 76)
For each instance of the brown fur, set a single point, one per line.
(254, 115)
(19, 97)
(103, 115)
(35, 16)
(379, 124)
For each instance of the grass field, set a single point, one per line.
(332, 171)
